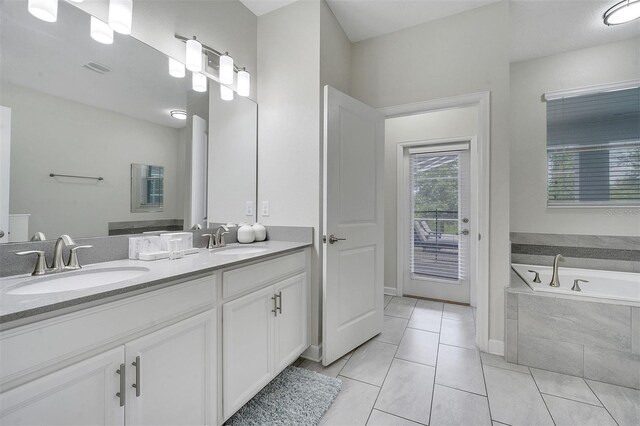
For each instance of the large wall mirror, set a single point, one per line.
(82, 112)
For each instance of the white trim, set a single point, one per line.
(313, 353)
(431, 146)
(496, 347)
(598, 88)
(480, 193)
(391, 291)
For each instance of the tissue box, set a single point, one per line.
(144, 244)
(186, 240)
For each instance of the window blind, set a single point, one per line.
(593, 149)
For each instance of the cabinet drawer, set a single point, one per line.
(42, 347)
(241, 280)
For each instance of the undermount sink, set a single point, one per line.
(234, 251)
(77, 280)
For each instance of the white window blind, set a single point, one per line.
(593, 149)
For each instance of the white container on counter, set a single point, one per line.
(246, 234)
(260, 231)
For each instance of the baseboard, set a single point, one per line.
(496, 347)
(313, 353)
(391, 291)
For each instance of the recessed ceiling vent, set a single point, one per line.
(100, 69)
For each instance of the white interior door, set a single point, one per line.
(353, 224)
(5, 162)
(437, 225)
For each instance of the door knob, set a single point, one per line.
(465, 232)
(333, 239)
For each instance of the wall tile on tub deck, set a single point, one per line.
(511, 341)
(635, 330)
(610, 366)
(575, 321)
(550, 355)
(512, 305)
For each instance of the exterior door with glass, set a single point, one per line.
(437, 222)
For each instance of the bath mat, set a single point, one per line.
(296, 396)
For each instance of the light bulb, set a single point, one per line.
(226, 69)
(121, 15)
(199, 82)
(623, 12)
(47, 10)
(194, 55)
(226, 94)
(101, 31)
(244, 83)
(176, 68)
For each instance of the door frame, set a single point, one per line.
(480, 191)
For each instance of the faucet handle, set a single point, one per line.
(576, 285)
(210, 241)
(41, 262)
(73, 262)
(536, 278)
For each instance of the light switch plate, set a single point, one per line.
(265, 208)
(248, 209)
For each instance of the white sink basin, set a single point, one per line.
(77, 280)
(235, 251)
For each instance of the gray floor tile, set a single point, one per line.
(370, 362)
(387, 299)
(573, 413)
(330, 370)
(564, 386)
(623, 403)
(400, 307)
(407, 391)
(498, 361)
(427, 315)
(460, 368)
(514, 398)
(347, 356)
(457, 312)
(458, 333)
(392, 330)
(418, 346)
(455, 407)
(380, 418)
(352, 405)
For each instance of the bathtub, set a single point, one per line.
(620, 286)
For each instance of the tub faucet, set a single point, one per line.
(555, 279)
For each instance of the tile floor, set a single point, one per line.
(424, 369)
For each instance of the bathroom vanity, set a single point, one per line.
(187, 342)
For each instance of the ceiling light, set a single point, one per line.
(623, 12)
(226, 94)
(176, 68)
(179, 114)
(199, 82)
(101, 31)
(121, 15)
(47, 10)
(76, 1)
(226, 69)
(194, 55)
(244, 82)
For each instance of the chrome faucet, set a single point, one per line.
(57, 264)
(219, 236)
(555, 279)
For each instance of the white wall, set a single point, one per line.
(51, 134)
(460, 122)
(461, 54)
(529, 80)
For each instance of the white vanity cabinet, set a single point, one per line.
(265, 330)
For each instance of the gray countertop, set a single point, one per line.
(19, 309)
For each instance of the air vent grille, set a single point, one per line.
(100, 69)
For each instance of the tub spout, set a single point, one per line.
(555, 279)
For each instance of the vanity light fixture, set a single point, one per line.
(623, 12)
(47, 10)
(199, 82)
(194, 55)
(226, 69)
(179, 114)
(176, 68)
(121, 15)
(244, 82)
(226, 94)
(101, 31)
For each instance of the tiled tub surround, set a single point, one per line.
(612, 253)
(597, 339)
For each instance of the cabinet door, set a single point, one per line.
(247, 347)
(174, 375)
(291, 321)
(81, 394)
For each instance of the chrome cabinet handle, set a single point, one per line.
(123, 384)
(536, 279)
(275, 306)
(1, 233)
(41, 263)
(279, 305)
(576, 284)
(136, 385)
(333, 239)
(465, 232)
